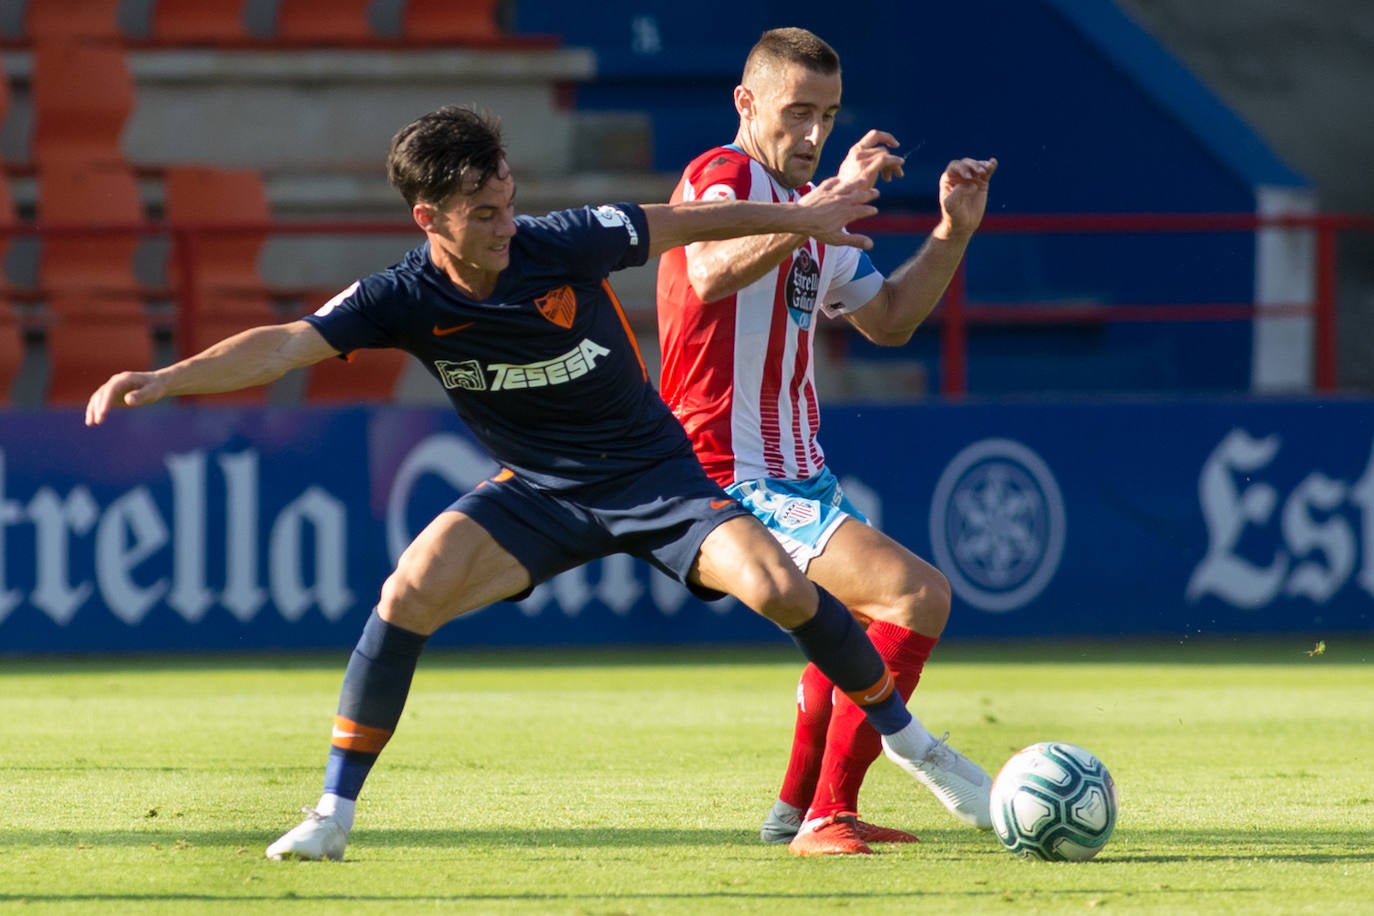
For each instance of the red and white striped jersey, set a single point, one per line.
(739, 372)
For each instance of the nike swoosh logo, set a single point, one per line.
(444, 332)
(882, 689)
(340, 733)
(720, 503)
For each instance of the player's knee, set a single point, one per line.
(778, 592)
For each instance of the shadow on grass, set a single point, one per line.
(1343, 649)
(1213, 846)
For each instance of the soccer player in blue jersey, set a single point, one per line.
(513, 315)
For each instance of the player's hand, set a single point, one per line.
(834, 204)
(964, 196)
(127, 389)
(872, 158)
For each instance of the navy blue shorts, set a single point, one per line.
(660, 515)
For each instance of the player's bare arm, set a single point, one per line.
(822, 214)
(719, 269)
(253, 357)
(909, 295)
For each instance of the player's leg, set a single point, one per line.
(452, 567)
(908, 601)
(741, 558)
(815, 700)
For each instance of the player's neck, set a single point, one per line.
(742, 140)
(471, 281)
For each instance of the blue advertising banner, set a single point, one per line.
(177, 528)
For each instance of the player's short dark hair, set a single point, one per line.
(444, 152)
(791, 46)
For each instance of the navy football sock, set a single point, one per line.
(835, 643)
(376, 684)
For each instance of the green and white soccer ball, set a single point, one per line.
(1054, 801)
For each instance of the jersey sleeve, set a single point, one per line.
(352, 319)
(594, 241)
(717, 177)
(855, 282)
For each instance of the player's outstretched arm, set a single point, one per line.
(822, 214)
(253, 357)
(717, 269)
(914, 289)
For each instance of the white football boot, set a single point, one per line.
(961, 785)
(317, 837)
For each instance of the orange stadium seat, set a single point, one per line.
(446, 20)
(198, 21)
(367, 375)
(82, 95)
(88, 339)
(230, 295)
(77, 195)
(308, 21)
(11, 343)
(94, 319)
(82, 19)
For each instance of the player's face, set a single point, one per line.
(472, 232)
(787, 116)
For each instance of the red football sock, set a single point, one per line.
(851, 744)
(814, 701)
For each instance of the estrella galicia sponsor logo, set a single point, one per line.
(803, 280)
(997, 524)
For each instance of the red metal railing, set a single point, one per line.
(954, 316)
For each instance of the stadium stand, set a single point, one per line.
(324, 21)
(11, 340)
(443, 20)
(72, 19)
(11, 333)
(94, 318)
(227, 294)
(195, 22)
(367, 375)
(81, 94)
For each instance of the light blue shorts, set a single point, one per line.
(801, 514)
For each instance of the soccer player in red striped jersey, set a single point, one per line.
(737, 325)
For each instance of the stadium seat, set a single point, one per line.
(324, 21)
(82, 95)
(367, 375)
(229, 293)
(78, 19)
(445, 20)
(11, 343)
(198, 22)
(103, 198)
(11, 350)
(87, 339)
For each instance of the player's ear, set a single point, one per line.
(424, 216)
(744, 102)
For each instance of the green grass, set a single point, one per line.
(628, 783)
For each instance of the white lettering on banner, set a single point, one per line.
(291, 592)
(132, 530)
(1319, 550)
(53, 519)
(10, 513)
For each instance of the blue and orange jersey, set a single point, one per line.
(545, 371)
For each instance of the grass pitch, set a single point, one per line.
(634, 782)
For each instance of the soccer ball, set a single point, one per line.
(1054, 801)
